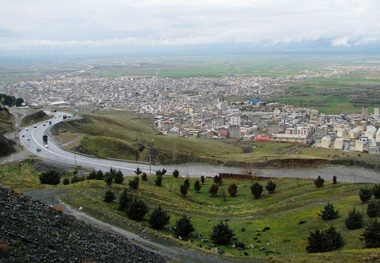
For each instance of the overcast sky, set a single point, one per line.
(45, 24)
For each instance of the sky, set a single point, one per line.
(114, 24)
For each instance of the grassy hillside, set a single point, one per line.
(6, 121)
(37, 116)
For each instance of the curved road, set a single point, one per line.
(31, 139)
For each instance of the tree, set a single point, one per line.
(329, 213)
(203, 179)
(218, 179)
(213, 190)
(186, 182)
(108, 178)
(158, 218)
(134, 184)
(354, 220)
(91, 175)
(66, 181)
(144, 177)
(232, 189)
(136, 210)
(52, 177)
(323, 241)
(183, 227)
(372, 234)
(365, 194)
(124, 199)
(197, 186)
(335, 180)
(373, 208)
(158, 180)
(221, 234)
(256, 190)
(319, 182)
(100, 175)
(271, 186)
(183, 189)
(119, 177)
(175, 173)
(109, 196)
(376, 191)
(138, 171)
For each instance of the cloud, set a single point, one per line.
(97, 23)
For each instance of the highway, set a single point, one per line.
(31, 139)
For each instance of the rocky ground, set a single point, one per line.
(31, 231)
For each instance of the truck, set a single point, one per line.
(45, 138)
(64, 117)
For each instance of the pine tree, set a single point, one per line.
(335, 180)
(99, 175)
(319, 182)
(376, 191)
(124, 199)
(203, 179)
(108, 178)
(136, 210)
(183, 227)
(271, 186)
(138, 171)
(334, 238)
(197, 186)
(109, 196)
(373, 208)
(134, 184)
(232, 189)
(183, 189)
(213, 190)
(316, 242)
(175, 173)
(365, 194)
(158, 218)
(186, 182)
(354, 220)
(52, 177)
(119, 177)
(372, 234)
(218, 179)
(221, 234)
(329, 213)
(256, 190)
(144, 177)
(158, 180)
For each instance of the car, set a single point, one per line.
(23, 135)
(44, 124)
(38, 149)
(35, 126)
(28, 139)
(27, 129)
(46, 146)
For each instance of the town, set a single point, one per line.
(196, 107)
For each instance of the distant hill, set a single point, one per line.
(6, 146)
(34, 117)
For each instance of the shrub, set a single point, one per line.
(197, 186)
(373, 208)
(124, 200)
(52, 177)
(136, 210)
(66, 181)
(365, 194)
(329, 213)
(134, 184)
(144, 177)
(100, 175)
(183, 227)
(323, 241)
(186, 182)
(218, 180)
(371, 234)
(232, 189)
(158, 218)
(138, 171)
(221, 234)
(376, 191)
(108, 178)
(203, 179)
(319, 182)
(183, 189)
(74, 179)
(158, 180)
(213, 190)
(354, 220)
(119, 177)
(256, 190)
(175, 173)
(271, 186)
(335, 180)
(91, 175)
(109, 196)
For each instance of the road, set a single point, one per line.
(31, 139)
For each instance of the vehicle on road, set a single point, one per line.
(38, 149)
(35, 126)
(46, 146)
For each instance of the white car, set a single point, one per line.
(46, 146)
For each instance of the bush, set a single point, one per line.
(372, 234)
(66, 181)
(323, 241)
(213, 190)
(183, 189)
(256, 190)
(319, 182)
(183, 227)
(100, 175)
(186, 182)
(218, 180)
(124, 200)
(108, 178)
(136, 210)
(175, 173)
(158, 218)
(91, 175)
(221, 234)
(376, 191)
(109, 196)
(335, 180)
(271, 186)
(52, 177)
(203, 179)
(354, 220)
(144, 177)
(138, 171)
(232, 189)
(329, 213)
(365, 194)
(134, 184)
(119, 177)
(158, 180)
(373, 208)
(197, 186)
(74, 179)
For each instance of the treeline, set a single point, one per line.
(8, 100)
